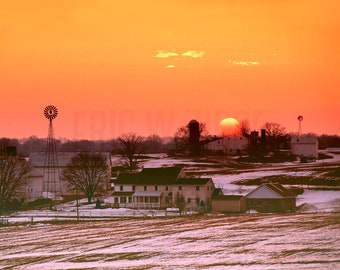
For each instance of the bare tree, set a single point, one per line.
(130, 146)
(13, 172)
(276, 135)
(153, 144)
(86, 173)
(180, 202)
(244, 128)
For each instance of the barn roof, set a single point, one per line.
(281, 190)
(277, 189)
(304, 139)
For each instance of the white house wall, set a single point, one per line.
(188, 191)
(306, 150)
(230, 144)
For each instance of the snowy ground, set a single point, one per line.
(310, 200)
(295, 241)
(144, 239)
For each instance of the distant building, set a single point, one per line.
(230, 145)
(271, 198)
(159, 188)
(33, 187)
(305, 146)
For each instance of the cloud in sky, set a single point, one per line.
(193, 54)
(165, 54)
(244, 63)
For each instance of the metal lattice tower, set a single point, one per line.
(51, 181)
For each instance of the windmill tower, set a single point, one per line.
(300, 118)
(51, 181)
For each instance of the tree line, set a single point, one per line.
(275, 133)
(23, 147)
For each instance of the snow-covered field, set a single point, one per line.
(144, 239)
(294, 241)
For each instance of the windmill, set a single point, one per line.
(51, 181)
(300, 118)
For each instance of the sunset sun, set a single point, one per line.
(230, 126)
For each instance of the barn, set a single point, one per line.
(271, 198)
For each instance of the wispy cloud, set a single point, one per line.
(193, 54)
(244, 63)
(177, 56)
(165, 54)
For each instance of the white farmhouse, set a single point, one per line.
(229, 145)
(305, 146)
(159, 188)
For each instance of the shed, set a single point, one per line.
(271, 198)
(229, 203)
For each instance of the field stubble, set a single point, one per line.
(304, 241)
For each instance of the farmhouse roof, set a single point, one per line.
(274, 187)
(150, 176)
(126, 178)
(122, 193)
(158, 176)
(192, 181)
(162, 175)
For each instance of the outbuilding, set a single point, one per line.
(229, 204)
(271, 198)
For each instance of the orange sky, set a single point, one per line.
(113, 67)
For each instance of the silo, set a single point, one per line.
(194, 137)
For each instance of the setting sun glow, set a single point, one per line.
(113, 67)
(230, 126)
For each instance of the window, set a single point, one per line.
(197, 201)
(189, 200)
(145, 188)
(179, 187)
(198, 188)
(122, 199)
(133, 188)
(156, 188)
(121, 188)
(130, 199)
(166, 188)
